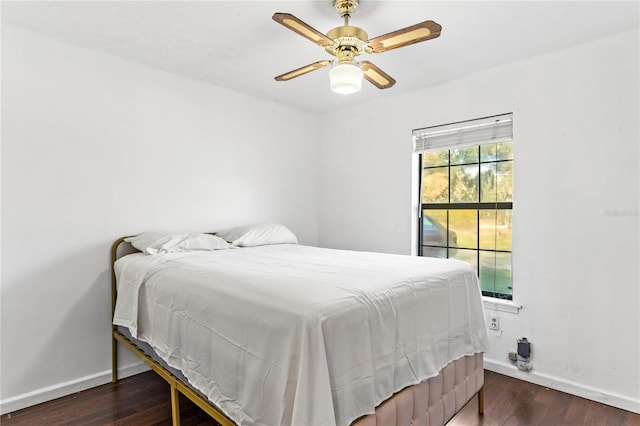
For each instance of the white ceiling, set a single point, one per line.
(236, 44)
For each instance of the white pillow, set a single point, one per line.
(260, 234)
(171, 242)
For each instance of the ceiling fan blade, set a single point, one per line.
(303, 70)
(302, 28)
(414, 34)
(376, 76)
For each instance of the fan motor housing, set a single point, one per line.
(349, 38)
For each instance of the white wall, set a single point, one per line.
(95, 147)
(575, 219)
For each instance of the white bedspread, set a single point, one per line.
(291, 334)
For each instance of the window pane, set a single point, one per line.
(440, 252)
(488, 191)
(435, 158)
(435, 185)
(469, 256)
(434, 228)
(496, 182)
(488, 152)
(495, 229)
(496, 151)
(504, 181)
(504, 151)
(495, 272)
(464, 225)
(464, 155)
(464, 184)
(504, 221)
(487, 229)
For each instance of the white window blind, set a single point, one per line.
(497, 128)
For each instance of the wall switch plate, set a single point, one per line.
(494, 323)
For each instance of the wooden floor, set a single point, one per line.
(510, 401)
(144, 400)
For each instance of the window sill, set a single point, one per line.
(501, 305)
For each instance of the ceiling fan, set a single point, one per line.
(346, 42)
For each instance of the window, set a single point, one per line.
(466, 197)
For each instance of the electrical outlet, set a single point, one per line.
(494, 323)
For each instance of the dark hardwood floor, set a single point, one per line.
(144, 400)
(509, 401)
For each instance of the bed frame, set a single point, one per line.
(432, 403)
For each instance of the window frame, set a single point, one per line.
(476, 206)
(420, 147)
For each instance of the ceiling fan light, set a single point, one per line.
(345, 78)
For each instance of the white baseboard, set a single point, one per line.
(49, 393)
(568, 386)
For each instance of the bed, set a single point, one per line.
(259, 330)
